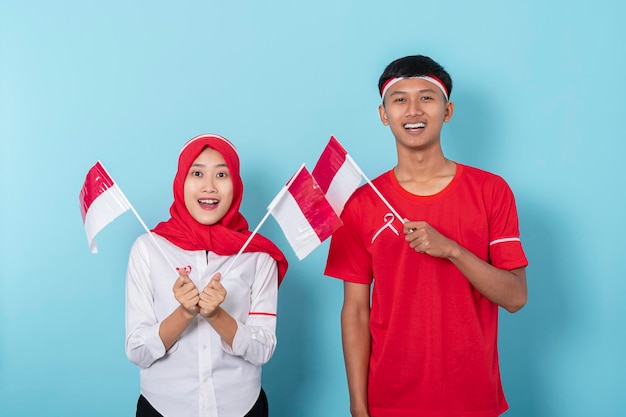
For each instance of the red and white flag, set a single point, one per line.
(303, 213)
(101, 201)
(337, 174)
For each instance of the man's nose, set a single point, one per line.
(414, 107)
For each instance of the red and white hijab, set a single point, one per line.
(228, 235)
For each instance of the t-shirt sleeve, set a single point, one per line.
(505, 245)
(348, 257)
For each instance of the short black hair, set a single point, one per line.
(415, 66)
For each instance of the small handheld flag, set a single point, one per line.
(304, 214)
(336, 174)
(101, 201)
(340, 176)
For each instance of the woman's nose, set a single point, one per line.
(208, 185)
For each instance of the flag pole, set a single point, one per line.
(151, 235)
(275, 201)
(245, 245)
(141, 221)
(384, 200)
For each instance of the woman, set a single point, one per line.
(200, 339)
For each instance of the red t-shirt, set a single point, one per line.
(434, 337)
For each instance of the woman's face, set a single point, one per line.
(208, 188)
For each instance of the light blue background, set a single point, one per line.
(539, 92)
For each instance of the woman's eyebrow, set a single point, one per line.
(198, 164)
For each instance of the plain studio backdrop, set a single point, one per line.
(538, 89)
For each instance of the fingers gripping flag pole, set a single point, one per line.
(101, 201)
(339, 176)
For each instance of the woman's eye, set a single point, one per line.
(222, 175)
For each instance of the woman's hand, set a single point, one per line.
(211, 297)
(186, 293)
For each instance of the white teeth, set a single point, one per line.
(414, 125)
(208, 201)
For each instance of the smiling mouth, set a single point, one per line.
(208, 202)
(415, 125)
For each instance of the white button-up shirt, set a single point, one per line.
(200, 375)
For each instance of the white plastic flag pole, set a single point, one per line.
(152, 236)
(280, 194)
(384, 200)
(245, 245)
(143, 224)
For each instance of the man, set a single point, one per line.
(426, 344)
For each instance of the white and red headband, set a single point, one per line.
(430, 78)
(206, 136)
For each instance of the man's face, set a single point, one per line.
(415, 110)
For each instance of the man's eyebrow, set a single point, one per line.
(423, 90)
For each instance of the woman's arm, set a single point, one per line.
(211, 298)
(251, 335)
(174, 325)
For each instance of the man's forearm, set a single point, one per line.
(505, 288)
(356, 348)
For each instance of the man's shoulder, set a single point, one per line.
(364, 197)
(486, 183)
(366, 191)
(472, 170)
(480, 175)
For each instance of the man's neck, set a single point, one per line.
(424, 173)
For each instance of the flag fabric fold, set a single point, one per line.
(101, 201)
(303, 213)
(337, 174)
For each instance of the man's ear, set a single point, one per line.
(383, 115)
(449, 111)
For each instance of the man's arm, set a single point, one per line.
(356, 344)
(505, 288)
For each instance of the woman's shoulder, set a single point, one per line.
(153, 242)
